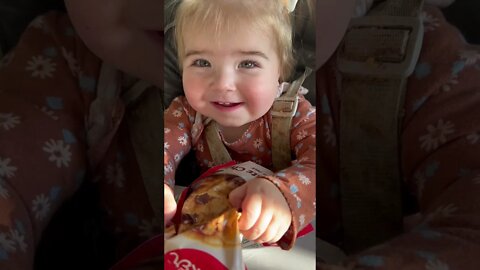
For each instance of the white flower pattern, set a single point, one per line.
(177, 113)
(7, 170)
(41, 206)
(3, 189)
(430, 22)
(302, 134)
(19, 239)
(304, 179)
(200, 147)
(168, 168)
(59, 153)
(301, 220)
(6, 243)
(182, 140)
(473, 138)
(9, 121)
(47, 112)
(41, 67)
(437, 135)
(436, 265)
(471, 57)
(447, 87)
(257, 143)
(6, 59)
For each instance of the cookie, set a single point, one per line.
(208, 200)
(221, 231)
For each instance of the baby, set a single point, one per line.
(234, 56)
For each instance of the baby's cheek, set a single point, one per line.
(260, 104)
(262, 96)
(194, 90)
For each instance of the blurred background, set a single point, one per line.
(16, 14)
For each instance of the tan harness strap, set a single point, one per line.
(378, 54)
(218, 151)
(145, 125)
(283, 110)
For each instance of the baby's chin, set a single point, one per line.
(232, 123)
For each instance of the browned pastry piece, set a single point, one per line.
(208, 200)
(221, 231)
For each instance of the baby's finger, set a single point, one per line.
(283, 226)
(270, 233)
(260, 226)
(278, 235)
(251, 209)
(237, 195)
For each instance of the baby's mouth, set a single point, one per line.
(227, 104)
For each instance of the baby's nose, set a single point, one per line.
(224, 80)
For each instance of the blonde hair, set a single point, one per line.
(223, 16)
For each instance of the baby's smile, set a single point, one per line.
(227, 106)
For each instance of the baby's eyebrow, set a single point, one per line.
(257, 53)
(195, 52)
(247, 53)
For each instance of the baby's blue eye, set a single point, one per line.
(201, 63)
(248, 64)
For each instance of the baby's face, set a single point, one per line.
(233, 80)
(124, 33)
(332, 17)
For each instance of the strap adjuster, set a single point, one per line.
(405, 33)
(285, 106)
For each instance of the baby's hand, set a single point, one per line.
(170, 205)
(266, 215)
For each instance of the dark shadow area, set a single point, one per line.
(465, 14)
(76, 238)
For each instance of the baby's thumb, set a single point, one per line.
(237, 195)
(169, 212)
(169, 207)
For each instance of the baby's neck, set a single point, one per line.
(233, 134)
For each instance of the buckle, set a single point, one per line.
(385, 62)
(285, 106)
